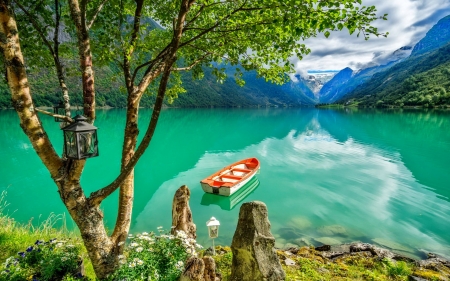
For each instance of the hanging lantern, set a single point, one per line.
(80, 139)
(59, 110)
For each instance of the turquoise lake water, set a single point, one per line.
(327, 176)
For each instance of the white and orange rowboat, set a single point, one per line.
(228, 180)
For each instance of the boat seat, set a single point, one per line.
(231, 177)
(242, 170)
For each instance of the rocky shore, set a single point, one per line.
(434, 267)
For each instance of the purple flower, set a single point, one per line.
(38, 242)
(29, 249)
(22, 254)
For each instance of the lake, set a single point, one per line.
(327, 176)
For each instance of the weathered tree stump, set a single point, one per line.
(195, 268)
(254, 256)
(181, 213)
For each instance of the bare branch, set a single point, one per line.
(212, 27)
(94, 17)
(127, 54)
(193, 64)
(65, 118)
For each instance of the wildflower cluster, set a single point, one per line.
(52, 260)
(155, 257)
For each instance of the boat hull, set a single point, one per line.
(225, 191)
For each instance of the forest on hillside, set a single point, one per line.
(418, 81)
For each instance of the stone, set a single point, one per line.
(254, 255)
(391, 245)
(332, 230)
(210, 269)
(327, 240)
(290, 245)
(181, 213)
(279, 243)
(300, 223)
(304, 241)
(289, 262)
(291, 251)
(374, 250)
(194, 270)
(415, 278)
(289, 233)
(323, 248)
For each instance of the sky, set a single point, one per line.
(408, 22)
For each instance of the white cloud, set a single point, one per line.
(408, 21)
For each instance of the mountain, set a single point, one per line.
(316, 80)
(200, 93)
(421, 80)
(255, 93)
(338, 87)
(334, 88)
(436, 37)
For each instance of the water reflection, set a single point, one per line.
(228, 203)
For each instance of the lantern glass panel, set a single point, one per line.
(88, 144)
(213, 231)
(71, 144)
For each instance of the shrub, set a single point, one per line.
(399, 268)
(155, 257)
(52, 260)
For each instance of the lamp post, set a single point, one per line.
(80, 139)
(59, 109)
(213, 230)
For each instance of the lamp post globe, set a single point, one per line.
(213, 227)
(213, 230)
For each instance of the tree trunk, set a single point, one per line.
(89, 219)
(126, 191)
(85, 54)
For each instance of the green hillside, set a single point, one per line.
(417, 81)
(199, 93)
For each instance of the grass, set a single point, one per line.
(16, 237)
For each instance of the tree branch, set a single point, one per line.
(94, 17)
(98, 196)
(193, 64)
(134, 36)
(212, 27)
(65, 118)
(36, 26)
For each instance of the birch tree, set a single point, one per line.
(151, 42)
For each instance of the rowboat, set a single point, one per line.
(231, 178)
